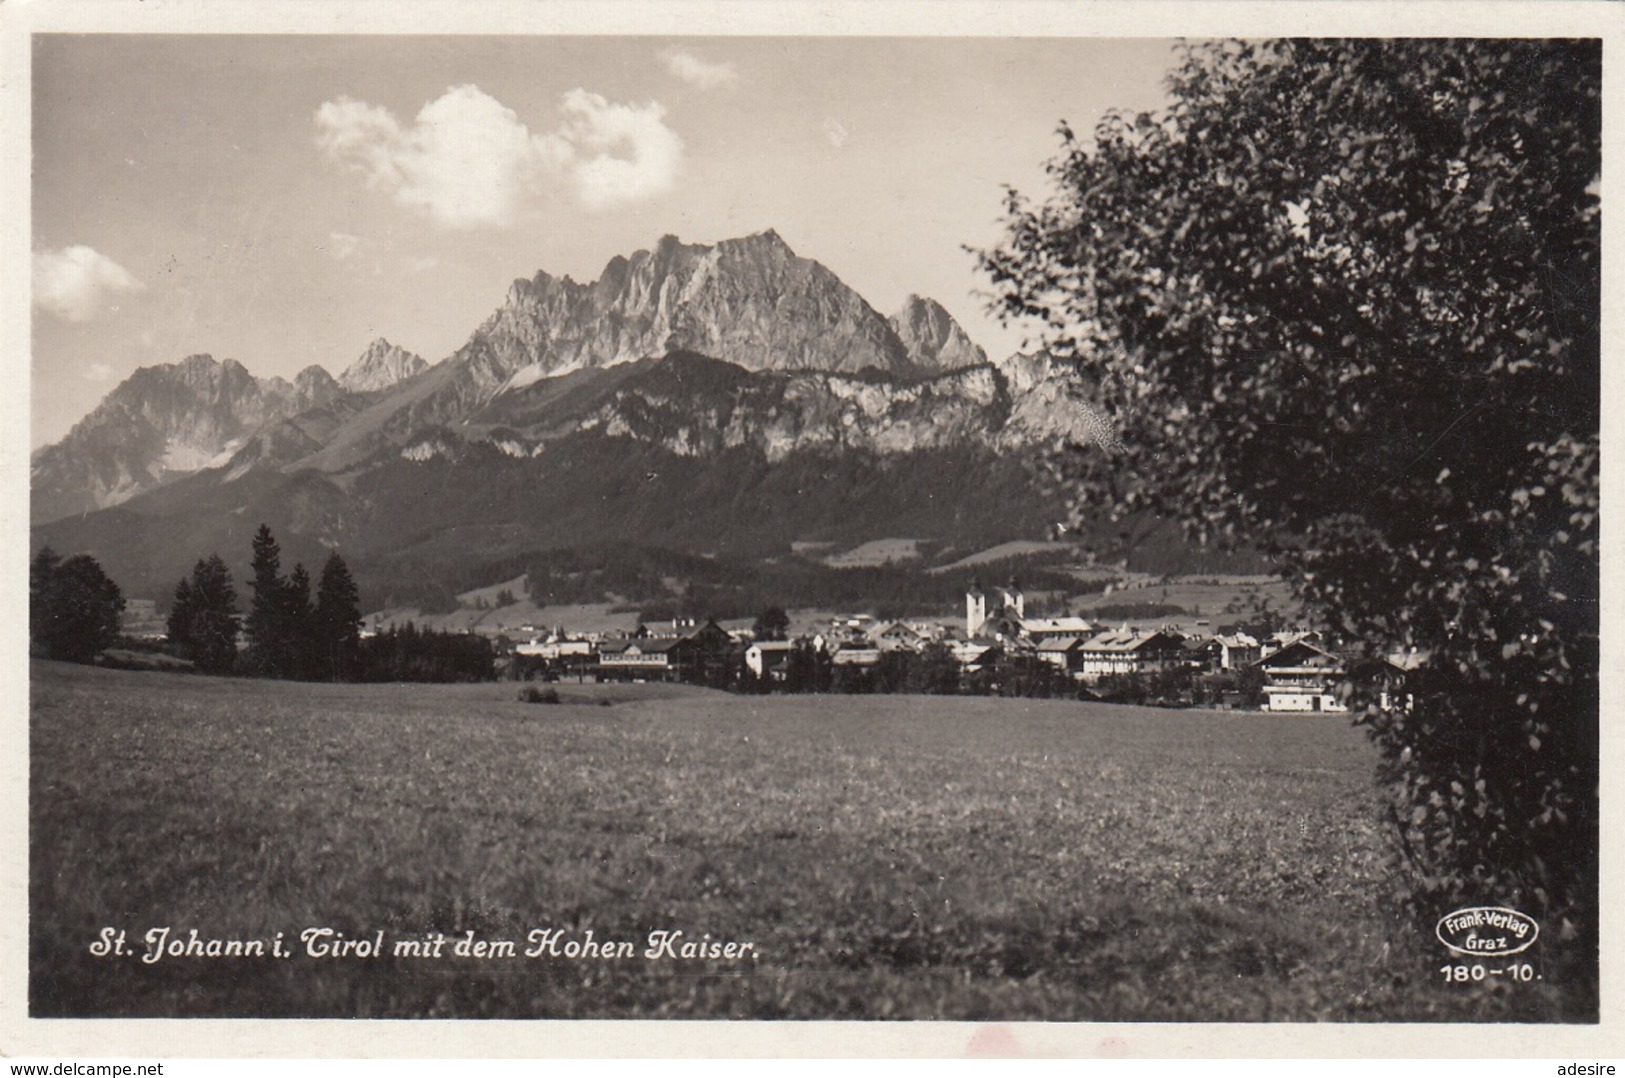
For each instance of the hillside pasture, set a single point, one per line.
(578, 617)
(1219, 599)
(1015, 548)
(886, 857)
(875, 552)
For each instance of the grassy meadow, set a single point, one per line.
(886, 857)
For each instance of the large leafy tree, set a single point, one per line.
(771, 624)
(203, 618)
(74, 609)
(1340, 299)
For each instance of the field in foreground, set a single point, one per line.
(887, 857)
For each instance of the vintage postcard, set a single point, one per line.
(942, 528)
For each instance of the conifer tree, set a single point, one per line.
(179, 628)
(299, 625)
(203, 620)
(337, 621)
(267, 625)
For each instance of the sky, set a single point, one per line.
(285, 200)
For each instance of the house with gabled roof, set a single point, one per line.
(1041, 629)
(975, 655)
(855, 653)
(899, 636)
(664, 658)
(769, 658)
(1129, 651)
(1237, 651)
(1302, 676)
(638, 659)
(1065, 653)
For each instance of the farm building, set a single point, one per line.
(646, 659)
(975, 655)
(1302, 676)
(1065, 653)
(1127, 651)
(855, 654)
(1237, 651)
(1041, 629)
(665, 658)
(899, 636)
(554, 649)
(768, 658)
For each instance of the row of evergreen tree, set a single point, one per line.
(289, 635)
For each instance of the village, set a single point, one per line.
(997, 650)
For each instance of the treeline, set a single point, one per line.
(1136, 611)
(934, 671)
(408, 653)
(74, 609)
(660, 583)
(289, 634)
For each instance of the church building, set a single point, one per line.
(1003, 621)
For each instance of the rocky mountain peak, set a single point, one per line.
(933, 339)
(767, 240)
(751, 301)
(162, 421)
(313, 387)
(381, 366)
(750, 304)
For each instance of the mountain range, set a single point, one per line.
(731, 400)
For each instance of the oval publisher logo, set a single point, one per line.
(1487, 931)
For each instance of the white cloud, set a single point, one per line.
(695, 71)
(421, 264)
(468, 161)
(836, 132)
(614, 154)
(97, 372)
(463, 161)
(76, 282)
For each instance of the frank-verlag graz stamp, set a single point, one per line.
(1488, 934)
(982, 526)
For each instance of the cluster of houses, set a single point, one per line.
(1300, 673)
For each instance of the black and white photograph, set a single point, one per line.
(1028, 526)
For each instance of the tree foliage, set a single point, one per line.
(771, 624)
(203, 618)
(281, 625)
(267, 646)
(74, 610)
(407, 653)
(299, 625)
(1342, 298)
(337, 622)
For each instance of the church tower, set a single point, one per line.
(975, 609)
(1015, 603)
